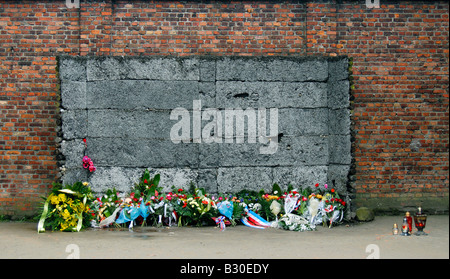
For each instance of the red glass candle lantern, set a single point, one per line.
(409, 220)
(420, 220)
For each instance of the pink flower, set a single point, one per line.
(326, 186)
(86, 160)
(88, 164)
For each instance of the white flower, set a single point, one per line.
(257, 207)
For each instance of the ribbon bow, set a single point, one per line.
(221, 222)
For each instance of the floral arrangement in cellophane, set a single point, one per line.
(67, 208)
(73, 207)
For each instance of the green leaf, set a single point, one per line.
(277, 189)
(146, 175)
(156, 180)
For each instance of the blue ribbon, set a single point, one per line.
(144, 210)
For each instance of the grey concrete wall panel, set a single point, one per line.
(242, 94)
(73, 94)
(338, 94)
(338, 69)
(159, 68)
(74, 123)
(272, 69)
(72, 68)
(143, 94)
(122, 106)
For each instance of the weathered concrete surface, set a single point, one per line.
(122, 106)
(357, 241)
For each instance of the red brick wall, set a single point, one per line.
(400, 71)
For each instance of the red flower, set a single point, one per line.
(317, 185)
(145, 181)
(332, 190)
(180, 190)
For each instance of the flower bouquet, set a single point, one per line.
(67, 208)
(333, 207)
(322, 206)
(144, 202)
(105, 208)
(201, 208)
(291, 221)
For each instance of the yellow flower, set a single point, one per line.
(85, 183)
(69, 202)
(73, 222)
(62, 197)
(66, 214)
(327, 196)
(64, 226)
(80, 208)
(54, 199)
